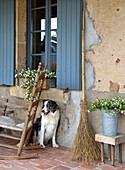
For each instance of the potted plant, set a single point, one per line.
(50, 79)
(26, 79)
(110, 109)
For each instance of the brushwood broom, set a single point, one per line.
(84, 147)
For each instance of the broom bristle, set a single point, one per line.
(85, 147)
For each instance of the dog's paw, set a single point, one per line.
(55, 145)
(43, 146)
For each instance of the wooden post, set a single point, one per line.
(4, 109)
(102, 152)
(83, 60)
(109, 152)
(113, 155)
(120, 153)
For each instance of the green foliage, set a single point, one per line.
(29, 76)
(116, 104)
(54, 38)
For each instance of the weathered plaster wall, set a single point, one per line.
(108, 57)
(105, 66)
(20, 42)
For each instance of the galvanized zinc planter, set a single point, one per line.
(109, 123)
(110, 109)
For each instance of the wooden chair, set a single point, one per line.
(8, 123)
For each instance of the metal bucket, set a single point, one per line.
(110, 123)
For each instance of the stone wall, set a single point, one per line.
(21, 34)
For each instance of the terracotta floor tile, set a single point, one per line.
(122, 168)
(116, 164)
(82, 168)
(54, 162)
(71, 164)
(39, 161)
(52, 159)
(61, 168)
(12, 167)
(44, 166)
(107, 167)
(63, 159)
(89, 166)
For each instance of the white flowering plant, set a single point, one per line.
(50, 74)
(29, 76)
(116, 104)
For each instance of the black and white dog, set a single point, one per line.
(45, 127)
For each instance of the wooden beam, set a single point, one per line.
(8, 146)
(120, 153)
(83, 60)
(16, 99)
(10, 137)
(13, 105)
(113, 155)
(102, 152)
(116, 140)
(11, 127)
(19, 157)
(24, 147)
(109, 152)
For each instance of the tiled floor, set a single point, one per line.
(52, 159)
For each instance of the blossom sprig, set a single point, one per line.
(29, 76)
(50, 74)
(116, 104)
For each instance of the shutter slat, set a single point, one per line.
(69, 44)
(7, 42)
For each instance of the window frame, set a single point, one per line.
(48, 30)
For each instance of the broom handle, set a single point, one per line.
(83, 60)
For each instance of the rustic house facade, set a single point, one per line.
(50, 31)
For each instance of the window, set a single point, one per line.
(42, 33)
(43, 42)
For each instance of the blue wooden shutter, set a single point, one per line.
(6, 42)
(69, 44)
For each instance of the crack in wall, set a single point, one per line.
(91, 39)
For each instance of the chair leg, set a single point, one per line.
(22, 139)
(21, 145)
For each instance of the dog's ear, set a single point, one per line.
(44, 101)
(54, 106)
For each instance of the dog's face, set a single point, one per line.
(49, 106)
